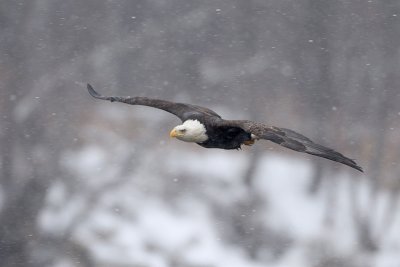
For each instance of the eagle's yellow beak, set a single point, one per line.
(173, 133)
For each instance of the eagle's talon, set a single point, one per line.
(249, 142)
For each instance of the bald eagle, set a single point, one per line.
(206, 128)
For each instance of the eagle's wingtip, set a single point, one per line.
(92, 92)
(354, 165)
(359, 168)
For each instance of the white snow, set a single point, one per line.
(139, 223)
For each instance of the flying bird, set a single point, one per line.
(206, 128)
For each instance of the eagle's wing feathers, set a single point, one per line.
(181, 110)
(289, 139)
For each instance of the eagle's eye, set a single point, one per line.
(182, 130)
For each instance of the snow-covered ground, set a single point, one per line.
(162, 212)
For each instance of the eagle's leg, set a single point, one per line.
(249, 142)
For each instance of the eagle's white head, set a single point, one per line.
(190, 131)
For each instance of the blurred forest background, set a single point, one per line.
(90, 183)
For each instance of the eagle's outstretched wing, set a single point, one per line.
(289, 139)
(181, 110)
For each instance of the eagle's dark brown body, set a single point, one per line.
(225, 137)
